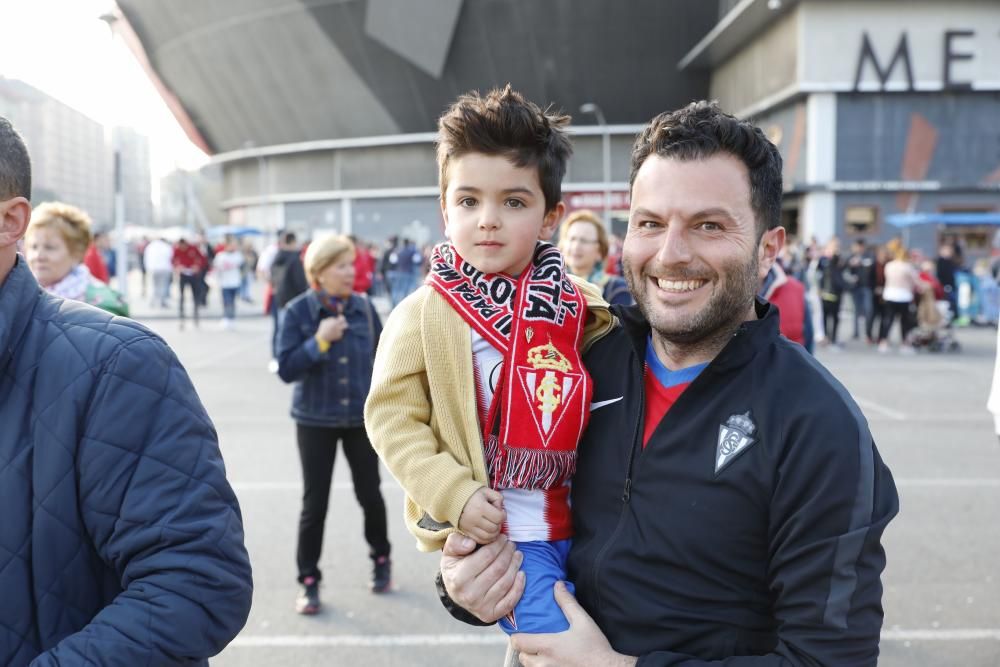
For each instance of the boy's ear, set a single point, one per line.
(15, 214)
(444, 217)
(551, 221)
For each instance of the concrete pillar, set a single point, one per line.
(818, 213)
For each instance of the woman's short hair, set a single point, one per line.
(586, 215)
(71, 223)
(323, 252)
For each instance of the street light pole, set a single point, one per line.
(590, 107)
(121, 245)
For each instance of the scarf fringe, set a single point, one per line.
(530, 469)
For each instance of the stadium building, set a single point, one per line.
(321, 113)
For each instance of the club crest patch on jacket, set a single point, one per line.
(735, 437)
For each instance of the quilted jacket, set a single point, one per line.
(121, 542)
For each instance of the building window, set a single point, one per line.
(860, 220)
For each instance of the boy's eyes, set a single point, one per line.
(469, 202)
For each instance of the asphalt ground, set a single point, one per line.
(927, 412)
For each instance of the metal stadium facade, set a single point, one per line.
(321, 112)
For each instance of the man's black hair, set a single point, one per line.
(701, 130)
(15, 165)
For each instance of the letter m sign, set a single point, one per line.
(902, 53)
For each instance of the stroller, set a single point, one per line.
(934, 331)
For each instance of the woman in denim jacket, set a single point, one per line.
(326, 344)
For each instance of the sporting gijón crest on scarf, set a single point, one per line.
(539, 407)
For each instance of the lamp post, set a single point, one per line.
(590, 107)
(121, 245)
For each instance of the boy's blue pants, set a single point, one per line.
(544, 564)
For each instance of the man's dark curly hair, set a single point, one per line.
(15, 165)
(701, 130)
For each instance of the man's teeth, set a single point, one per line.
(679, 285)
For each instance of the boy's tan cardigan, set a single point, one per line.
(421, 411)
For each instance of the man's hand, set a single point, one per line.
(583, 645)
(487, 583)
(483, 515)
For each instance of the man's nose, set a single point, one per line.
(675, 246)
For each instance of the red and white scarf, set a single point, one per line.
(540, 406)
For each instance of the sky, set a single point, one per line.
(64, 50)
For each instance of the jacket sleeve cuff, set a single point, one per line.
(458, 613)
(312, 349)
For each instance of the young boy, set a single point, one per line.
(479, 395)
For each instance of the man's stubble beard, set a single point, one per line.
(722, 315)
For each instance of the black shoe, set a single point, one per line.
(308, 601)
(381, 575)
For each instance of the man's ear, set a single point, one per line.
(551, 221)
(15, 214)
(770, 247)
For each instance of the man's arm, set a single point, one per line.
(158, 510)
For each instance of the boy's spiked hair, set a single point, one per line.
(505, 123)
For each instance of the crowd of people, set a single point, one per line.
(535, 383)
(881, 289)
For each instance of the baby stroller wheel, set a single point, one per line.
(954, 346)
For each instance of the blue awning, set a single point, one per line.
(909, 219)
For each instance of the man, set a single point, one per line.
(861, 281)
(96, 261)
(121, 541)
(188, 262)
(740, 518)
(158, 259)
(785, 292)
(946, 267)
(287, 278)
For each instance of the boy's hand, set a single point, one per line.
(483, 515)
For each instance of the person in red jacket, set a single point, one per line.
(188, 262)
(364, 266)
(789, 295)
(95, 263)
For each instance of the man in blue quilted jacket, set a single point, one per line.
(121, 542)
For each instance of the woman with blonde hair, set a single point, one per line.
(326, 345)
(584, 245)
(901, 284)
(55, 244)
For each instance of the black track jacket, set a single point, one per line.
(747, 532)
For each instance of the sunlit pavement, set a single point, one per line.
(927, 412)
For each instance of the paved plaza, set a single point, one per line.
(927, 412)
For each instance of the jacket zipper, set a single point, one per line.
(626, 496)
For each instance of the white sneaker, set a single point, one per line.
(907, 350)
(883, 347)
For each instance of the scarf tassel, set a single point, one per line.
(514, 467)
